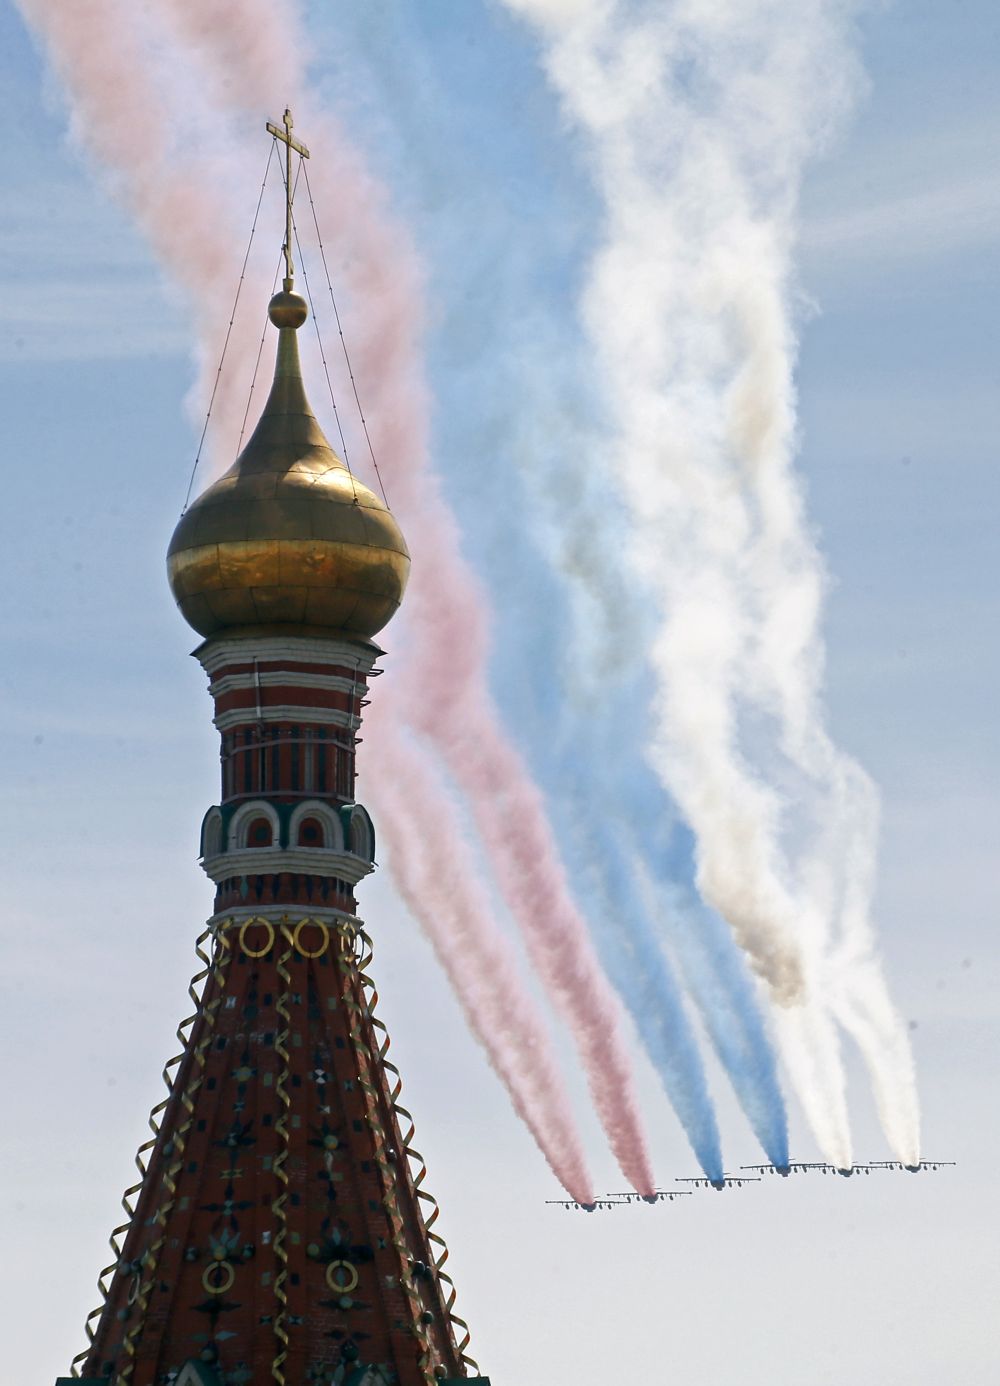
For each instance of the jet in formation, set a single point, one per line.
(911, 1169)
(807, 1166)
(749, 1174)
(618, 1200)
(728, 1181)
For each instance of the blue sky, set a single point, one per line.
(111, 758)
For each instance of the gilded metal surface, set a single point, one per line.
(287, 309)
(286, 137)
(288, 536)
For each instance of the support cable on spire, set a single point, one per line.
(256, 364)
(343, 341)
(229, 329)
(263, 333)
(322, 356)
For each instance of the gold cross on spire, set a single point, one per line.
(286, 138)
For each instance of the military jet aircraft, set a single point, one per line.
(793, 1167)
(807, 1166)
(911, 1169)
(728, 1181)
(619, 1200)
(657, 1196)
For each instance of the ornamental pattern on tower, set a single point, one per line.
(282, 1220)
(281, 1231)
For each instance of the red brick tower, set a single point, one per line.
(280, 1232)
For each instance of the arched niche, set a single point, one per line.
(315, 811)
(359, 832)
(249, 816)
(212, 833)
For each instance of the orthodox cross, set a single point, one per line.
(286, 138)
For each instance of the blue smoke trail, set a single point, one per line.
(519, 392)
(613, 843)
(717, 978)
(639, 971)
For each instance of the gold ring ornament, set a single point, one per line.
(249, 924)
(333, 1281)
(297, 937)
(218, 1277)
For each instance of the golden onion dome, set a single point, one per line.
(288, 537)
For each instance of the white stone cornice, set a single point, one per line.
(284, 712)
(276, 678)
(276, 914)
(220, 650)
(298, 861)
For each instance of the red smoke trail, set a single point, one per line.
(434, 874)
(101, 58)
(448, 697)
(99, 54)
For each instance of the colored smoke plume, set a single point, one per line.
(524, 355)
(444, 689)
(435, 876)
(698, 120)
(102, 60)
(637, 965)
(640, 904)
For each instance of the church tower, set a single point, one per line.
(281, 1232)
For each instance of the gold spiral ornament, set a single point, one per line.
(347, 932)
(212, 974)
(414, 1157)
(368, 1076)
(281, 1127)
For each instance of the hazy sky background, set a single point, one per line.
(111, 757)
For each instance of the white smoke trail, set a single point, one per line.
(698, 118)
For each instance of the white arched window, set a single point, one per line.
(254, 825)
(211, 833)
(310, 815)
(361, 834)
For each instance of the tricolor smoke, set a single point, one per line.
(444, 689)
(101, 58)
(579, 701)
(698, 120)
(688, 306)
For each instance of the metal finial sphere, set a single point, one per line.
(287, 309)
